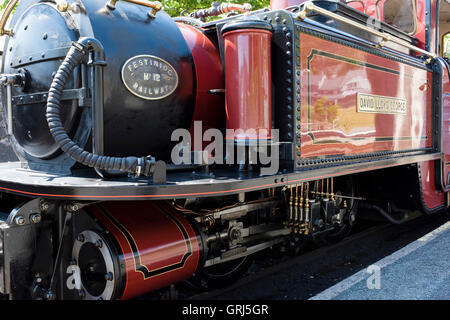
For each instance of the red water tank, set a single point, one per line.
(248, 97)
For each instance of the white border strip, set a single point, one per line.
(345, 284)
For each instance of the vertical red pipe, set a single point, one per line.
(248, 86)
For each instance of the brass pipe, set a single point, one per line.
(310, 7)
(332, 193)
(299, 222)
(316, 189)
(295, 208)
(9, 108)
(155, 6)
(9, 8)
(289, 223)
(228, 7)
(306, 224)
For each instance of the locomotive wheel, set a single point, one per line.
(343, 187)
(223, 274)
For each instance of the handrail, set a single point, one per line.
(310, 7)
(9, 8)
(154, 5)
(220, 8)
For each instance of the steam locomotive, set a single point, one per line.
(152, 150)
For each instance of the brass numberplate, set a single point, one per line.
(380, 104)
(149, 77)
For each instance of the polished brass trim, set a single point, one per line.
(310, 7)
(154, 5)
(9, 8)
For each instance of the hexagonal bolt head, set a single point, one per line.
(109, 276)
(44, 206)
(235, 234)
(80, 237)
(35, 218)
(19, 220)
(62, 6)
(99, 243)
(50, 295)
(72, 207)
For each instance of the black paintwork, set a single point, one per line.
(33, 38)
(132, 125)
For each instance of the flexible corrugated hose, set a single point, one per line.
(134, 165)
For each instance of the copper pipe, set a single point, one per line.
(228, 7)
(9, 8)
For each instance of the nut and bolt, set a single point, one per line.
(19, 220)
(45, 206)
(82, 293)
(62, 6)
(80, 237)
(99, 243)
(50, 295)
(109, 276)
(72, 207)
(35, 218)
(235, 234)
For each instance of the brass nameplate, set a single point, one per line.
(149, 77)
(379, 104)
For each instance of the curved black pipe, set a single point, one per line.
(365, 205)
(76, 54)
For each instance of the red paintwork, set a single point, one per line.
(421, 23)
(248, 83)
(209, 108)
(336, 125)
(432, 198)
(159, 239)
(445, 126)
(373, 8)
(433, 27)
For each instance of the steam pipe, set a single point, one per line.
(75, 56)
(365, 205)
